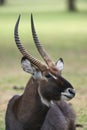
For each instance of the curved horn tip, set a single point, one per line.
(32, 19)
(19, 15)
(31, 16)
(18, 18)
(16, 25)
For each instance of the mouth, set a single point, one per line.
(68, 94)
(66, 97)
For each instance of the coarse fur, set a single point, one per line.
(60, 117)
(27, 112)
(34, 109)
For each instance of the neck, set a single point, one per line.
(43, 100)
(31, 106)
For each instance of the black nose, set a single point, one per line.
(72, 91)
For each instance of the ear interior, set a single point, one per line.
(60, 64)
(29, 68)
(26, 65)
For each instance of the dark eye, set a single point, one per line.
(48, 76)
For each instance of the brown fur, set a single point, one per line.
(23, 111)
(60, 117)
(27, 112)
(31, 110)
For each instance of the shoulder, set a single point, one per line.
(67, 109)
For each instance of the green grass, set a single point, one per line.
(62, 33)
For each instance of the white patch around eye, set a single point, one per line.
(60, 64)
(53, 76)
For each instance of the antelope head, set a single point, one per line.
(51, 85)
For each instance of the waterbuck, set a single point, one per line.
(42, 105)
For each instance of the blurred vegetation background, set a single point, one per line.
(63, 33)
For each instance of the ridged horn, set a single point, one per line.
(21, 48)
(41, 50)
(43, 53)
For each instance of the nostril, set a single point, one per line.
(71, 91)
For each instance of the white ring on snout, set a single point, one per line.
(66, 95)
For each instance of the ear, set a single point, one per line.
(26, 65)
(29, 68)
(60, 64)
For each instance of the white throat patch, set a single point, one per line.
(43, 100)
